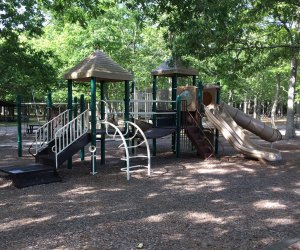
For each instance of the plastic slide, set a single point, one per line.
(253, 125)
(231, 131)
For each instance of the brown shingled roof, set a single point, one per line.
(100, 66)
(170, 68)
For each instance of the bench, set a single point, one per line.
(32, 127)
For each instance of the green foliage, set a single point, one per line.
(17, 17)
(77, 11)
(242, 44)
(23, 69)
(123, 35)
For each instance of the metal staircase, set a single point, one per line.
(65, 140)
(45, 134)
(42, 171)
(71, 137)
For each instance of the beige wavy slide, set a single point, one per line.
(253, 125)
(233, 133)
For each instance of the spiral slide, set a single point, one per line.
(231, 131)
(253, 125)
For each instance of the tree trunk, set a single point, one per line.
(255, 107)
(290, 125)
(245, 105)
(258, 110)
(275, 101)
(230, 98)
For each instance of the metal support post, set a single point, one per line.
(217, 131)
(19, 121)
(178, 125)
(154, 92)
(82, 108)
(70, 99)
(102, 117)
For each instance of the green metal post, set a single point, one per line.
(102, 117)
(49, 110)
(194, 80)
(200, 96)
(19, 121)
(154, 93)
(49, 106)
(75, 109)
(178, 125)
(93, 111)
(217, 131)
(174, 89)
(82, 108)
(132, 87)
(70, 99)
(127, 100)
(126, 107)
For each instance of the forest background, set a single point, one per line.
(250, 47)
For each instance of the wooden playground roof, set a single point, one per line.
(174, 67)
(100, 66)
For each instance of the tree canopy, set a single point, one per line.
(245, 45)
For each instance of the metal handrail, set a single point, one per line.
(119, 136)
(70, 132)
(46, 133)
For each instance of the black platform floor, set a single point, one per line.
(29, 168)
(31, 174)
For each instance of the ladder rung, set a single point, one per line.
(135, 166)
(135, 156)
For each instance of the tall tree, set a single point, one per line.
(208, 28)
(22, 67)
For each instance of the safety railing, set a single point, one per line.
(144, 108)
(70, 132)
(46, 133)
(138, 108)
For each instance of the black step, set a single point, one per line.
(31, 174)
(46, 159)
(46, 156)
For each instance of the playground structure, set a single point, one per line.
(69, 132)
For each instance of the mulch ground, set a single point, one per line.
(222, 203)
